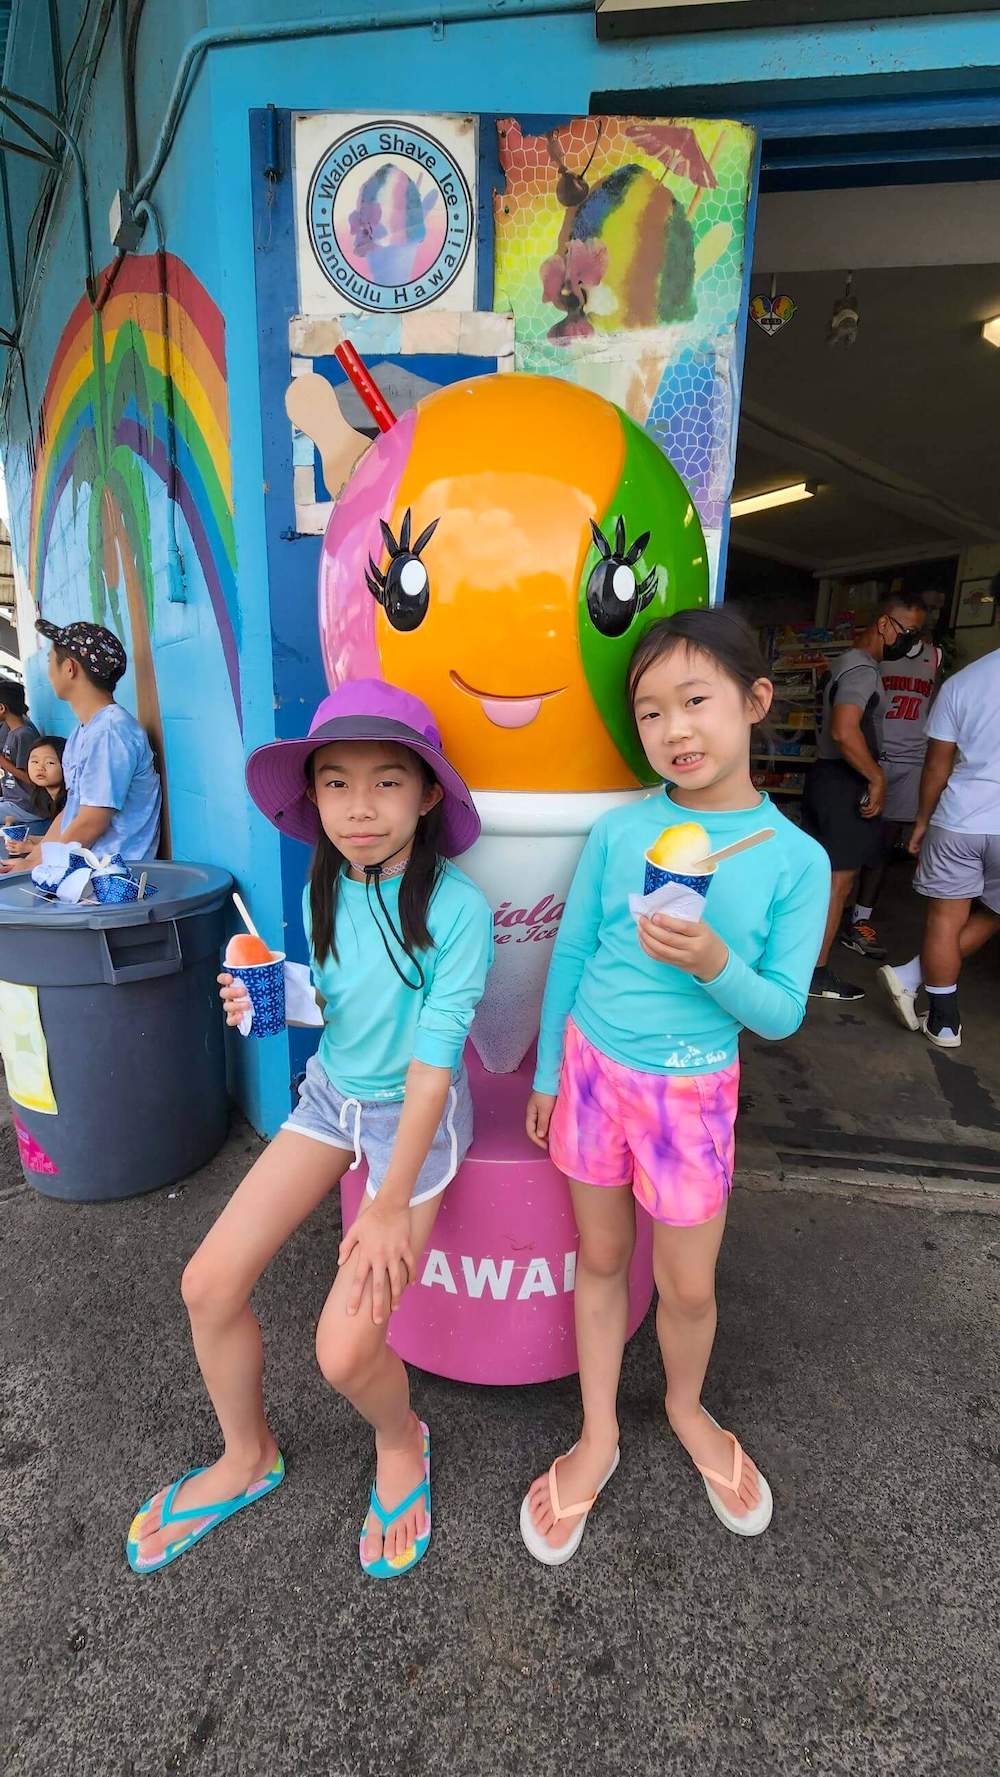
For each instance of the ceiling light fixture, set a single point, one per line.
(991, 331)
(778, 496)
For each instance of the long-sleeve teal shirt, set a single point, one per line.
(374, 1026)
(768, 904)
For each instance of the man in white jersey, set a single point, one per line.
(957, 838)
(909, 687)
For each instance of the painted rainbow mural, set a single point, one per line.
(81, 398)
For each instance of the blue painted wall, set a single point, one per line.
(215, 210)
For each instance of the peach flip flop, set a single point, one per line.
(535, 1543)
(747, 1523)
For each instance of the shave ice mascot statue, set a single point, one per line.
(499, 550)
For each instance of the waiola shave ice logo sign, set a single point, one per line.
(387, 212)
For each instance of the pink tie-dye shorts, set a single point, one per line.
(670, 1136)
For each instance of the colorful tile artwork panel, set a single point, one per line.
(620, 252)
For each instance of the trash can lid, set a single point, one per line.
(183, 889)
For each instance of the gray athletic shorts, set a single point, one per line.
(959, 867)
(902, 790)
(367, 1128)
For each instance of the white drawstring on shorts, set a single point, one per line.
(344, 1109)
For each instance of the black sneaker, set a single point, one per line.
(942, 1022)
(863, 939)
(825, 985)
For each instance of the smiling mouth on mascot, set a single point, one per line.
(500, 550)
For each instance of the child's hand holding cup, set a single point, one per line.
(235, 999)
(15, 834)
(254, 980)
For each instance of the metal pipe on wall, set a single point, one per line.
(74, 148)
(55, 51)
(446, 12)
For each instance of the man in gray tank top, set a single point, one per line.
(845, 789)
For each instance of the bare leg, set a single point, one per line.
(941, 951)
(290, 1179)
(981, 925)
(606, 1221)
(872, 877)
(684, 1262)
(841, 883)
(353, 1356)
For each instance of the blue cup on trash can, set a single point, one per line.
(265, 985)
(114, 891)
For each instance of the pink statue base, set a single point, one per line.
(493, 1300)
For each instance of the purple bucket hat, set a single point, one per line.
(360, 709)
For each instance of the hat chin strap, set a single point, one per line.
(373, 874)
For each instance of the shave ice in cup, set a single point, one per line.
(672, 864)
(262, 972)
(15, 832)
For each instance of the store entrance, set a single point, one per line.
(868, 449)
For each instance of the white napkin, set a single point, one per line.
(300, 1000)
(71, 885)
(673, 898)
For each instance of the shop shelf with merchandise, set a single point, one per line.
(799, 657)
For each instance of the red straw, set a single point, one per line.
(366, 385)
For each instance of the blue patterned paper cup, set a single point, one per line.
(265, 984)
(114, 891)
(657, 878)
(16, 832)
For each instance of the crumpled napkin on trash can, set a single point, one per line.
(68, 872)
(300, 1000)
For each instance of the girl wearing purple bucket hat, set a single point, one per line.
(400, 944)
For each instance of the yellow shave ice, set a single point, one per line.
(679, 847)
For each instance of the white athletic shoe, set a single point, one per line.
(903, 998)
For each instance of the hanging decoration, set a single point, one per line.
(846, 317)
(772, 312)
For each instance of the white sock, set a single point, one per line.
(952, 989)
(861, 914)
(909, 974)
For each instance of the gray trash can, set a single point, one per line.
(113, 1035)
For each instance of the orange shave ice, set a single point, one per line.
(243, 951)
(679, 847)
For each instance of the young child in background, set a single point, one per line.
(45, 773)
(638, 1064)
(400, 944)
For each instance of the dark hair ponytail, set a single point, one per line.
(12, 694)
(720, 632)
(420, 878)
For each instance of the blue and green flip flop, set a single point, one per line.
(214, 1515)
(392, 1570)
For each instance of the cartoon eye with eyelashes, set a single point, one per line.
(404, 590)
(614, 594)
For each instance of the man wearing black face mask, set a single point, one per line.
(845, 790)
(910, 685)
